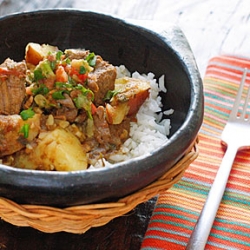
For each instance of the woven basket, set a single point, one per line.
(78, 219)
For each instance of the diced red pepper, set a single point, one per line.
(74, 72)
(93, 108)
(82, 77)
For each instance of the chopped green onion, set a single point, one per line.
(82, 70)
(46, 69)
(59, 55)
(53, 65)
(41, 90)
(25, 130)
(38, 75)
(71, 80)
(82, 101)
(64, 62)
(67, 60)
(27, 113)
(58, 95)
(110, 94)
(86, 92)
(63, 85)
(91, 59)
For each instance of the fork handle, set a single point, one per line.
(205, 221)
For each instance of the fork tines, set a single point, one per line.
(237, 111)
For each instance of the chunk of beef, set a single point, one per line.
(76, 53)
(107, 138)
(11, 137)
(120, 132)
(101, 127)
(9, 134)
(12, 86)
(109, 134)
(103, 75)
(101, 79)
(67, 109)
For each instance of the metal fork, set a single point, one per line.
(236, 135)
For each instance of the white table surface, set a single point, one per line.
(212, 27)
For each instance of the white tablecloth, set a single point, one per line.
(211, 26)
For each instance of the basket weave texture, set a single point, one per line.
(79, 219)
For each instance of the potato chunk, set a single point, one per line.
(34, 52)
(131, 94)
(56, 150)
(135, 91)
(115, 114)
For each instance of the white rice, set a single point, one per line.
(150, 131)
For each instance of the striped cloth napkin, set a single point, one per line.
(178, 209)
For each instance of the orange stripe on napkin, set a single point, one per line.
(178, 208)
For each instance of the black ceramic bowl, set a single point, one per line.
(118, 42)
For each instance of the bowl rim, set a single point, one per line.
(191, 68)
(170, 32)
